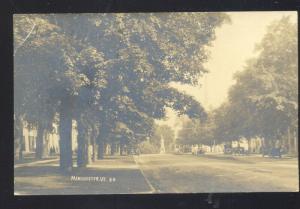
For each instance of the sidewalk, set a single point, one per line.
(36, 162)
(114, 175)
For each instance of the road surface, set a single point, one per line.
(219, 173)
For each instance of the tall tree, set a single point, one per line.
(263, 102)
(117, 67)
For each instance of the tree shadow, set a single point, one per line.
(37, 180)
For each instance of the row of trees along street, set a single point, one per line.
(108, 72)
(263, 102)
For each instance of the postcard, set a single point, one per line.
(166, 102)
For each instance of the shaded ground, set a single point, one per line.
(165, 173)
(30, 157)
(112, 175)
(219, 173)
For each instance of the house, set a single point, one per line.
(51, 138)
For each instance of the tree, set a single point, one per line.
(195, 131)
(114, 69)
(153, 53)
(31, 81)
(263, 102)
(49, 64)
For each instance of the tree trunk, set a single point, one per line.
(249, 146)
(46, 144)
(100, 154)
(82, 150)
(290, 141)
(94, 145)
(39, 152)
(18, 139)
(21, 157)
(105, 148)
(296, 142)
(65, 136)
(94, 155)
(118, 149)
(113, 148)
(122, 148)
(89, 147)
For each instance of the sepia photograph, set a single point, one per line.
(150, 103)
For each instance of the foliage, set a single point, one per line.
(197, 132)
(146, 147)
(114, 69)
(263, 102)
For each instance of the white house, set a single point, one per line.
(51, 138)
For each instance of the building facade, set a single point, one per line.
(51, 138)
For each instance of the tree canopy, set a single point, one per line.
(266, 93)
(104, 70)
(263, 102)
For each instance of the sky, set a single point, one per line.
(234, 44)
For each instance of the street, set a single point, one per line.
(161, 173)
(219, 173)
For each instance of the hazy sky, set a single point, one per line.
(234, 44)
